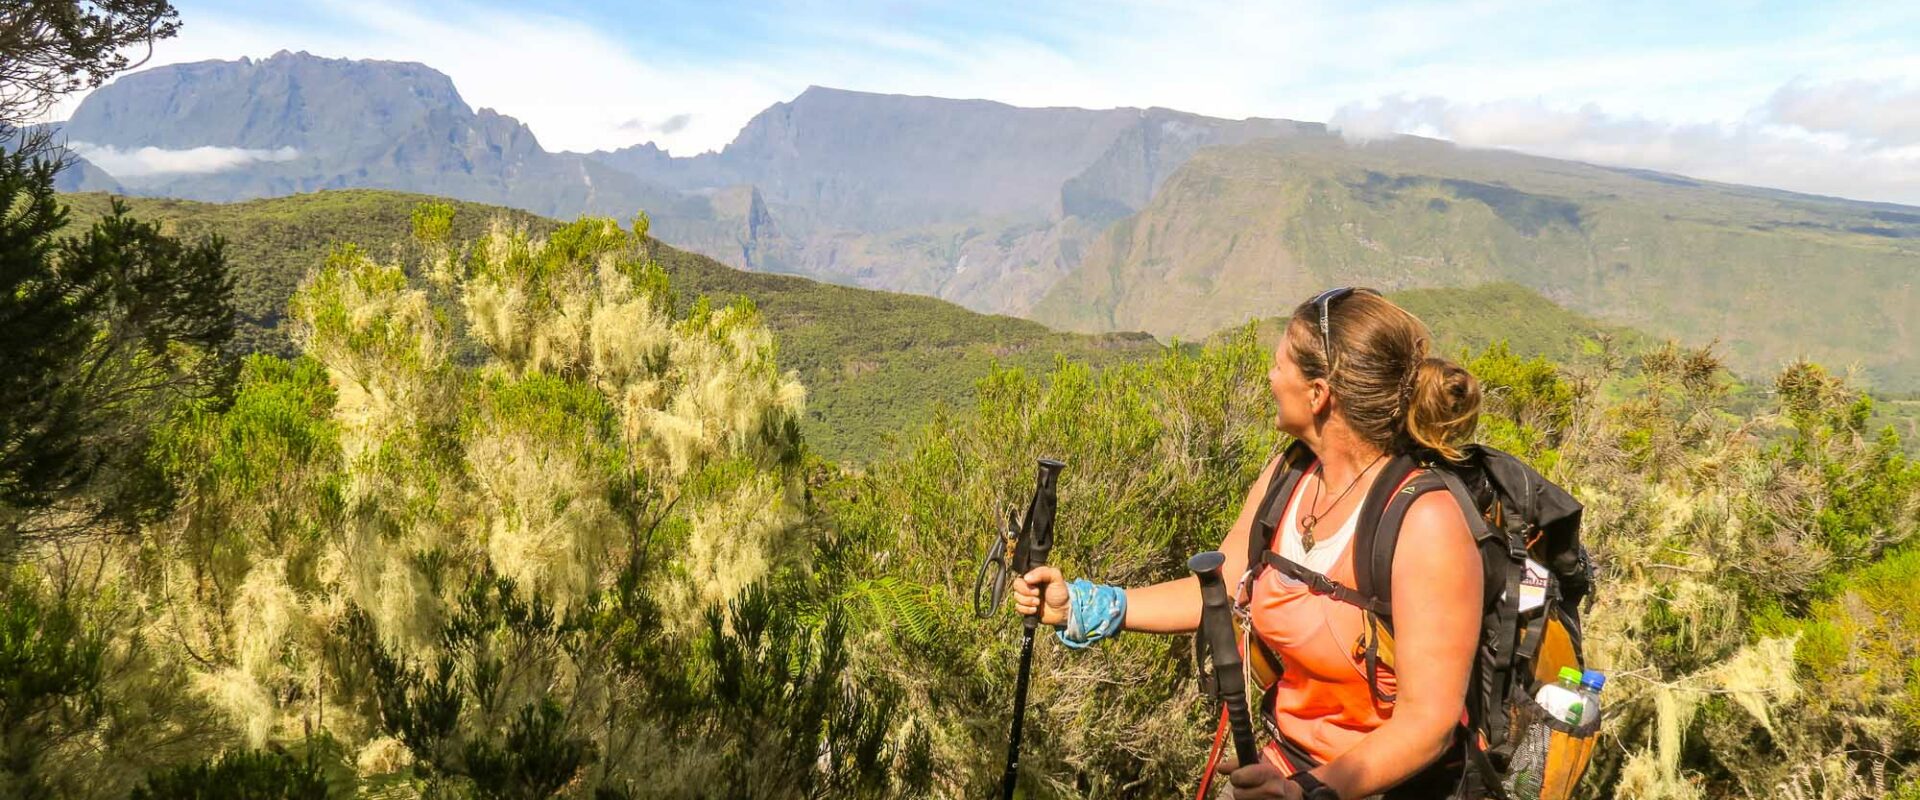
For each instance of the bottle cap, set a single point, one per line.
(1569, 674)
(1593, 679)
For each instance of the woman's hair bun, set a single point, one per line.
(1444, 406)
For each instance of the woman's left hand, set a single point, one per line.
(1258, 781)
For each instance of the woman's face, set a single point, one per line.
(1293, 394)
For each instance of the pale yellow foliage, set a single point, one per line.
(381, 756)
(243, 699)
(263, 614)
(686, 394)
(548, 524)
(627, 335)
(493, 313)
(376, 575)
(1760, 678)
(1673, 711)
(727, 550)
(1834, 776)
(1644, 777)
(439, 487)
(383, 385)
(528, 336)
(721, 404)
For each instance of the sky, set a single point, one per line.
(1811, 96)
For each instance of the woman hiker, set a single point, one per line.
(1354, 382)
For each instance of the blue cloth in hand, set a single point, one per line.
(1095, 611)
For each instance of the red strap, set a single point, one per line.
(1213, 756)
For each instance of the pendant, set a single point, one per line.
(1306, 532)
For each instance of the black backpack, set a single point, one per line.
(1515, 515)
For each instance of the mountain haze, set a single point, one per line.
(972, 201)
(1095, 220)
(879, 162)
(319, 123)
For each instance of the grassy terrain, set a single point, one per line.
(1245, 232)
(873, 362)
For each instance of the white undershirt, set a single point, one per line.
(1326, 549)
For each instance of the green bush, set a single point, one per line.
(240, 775)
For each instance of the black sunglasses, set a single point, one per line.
(1324, 302)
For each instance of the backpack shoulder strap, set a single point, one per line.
(1373, 554)
(1383, 517)
(1377, 532)
(1293, 466)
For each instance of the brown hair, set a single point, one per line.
(1392, 393)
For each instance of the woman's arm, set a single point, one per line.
(1174, 606)
(1437, 602)
(1168, 607)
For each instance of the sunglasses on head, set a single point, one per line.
(1324, 302)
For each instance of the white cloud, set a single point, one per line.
(1879, 111)
(575, 84)
(144, 161)
(1514, 73)
(569, 81)
(671, 125)
(1835, 157)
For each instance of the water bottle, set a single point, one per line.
(1591, 682)
(1574, 700)
(1567, 700)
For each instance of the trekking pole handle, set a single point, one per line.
(1216, 624)
(1036, 543)
(1036, 534)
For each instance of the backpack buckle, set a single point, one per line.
(1320, 584)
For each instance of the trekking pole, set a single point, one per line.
(1036, 541)
(1229, 682)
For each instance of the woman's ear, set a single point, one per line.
(1319, 396)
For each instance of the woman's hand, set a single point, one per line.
(1258, 781)
(1027, 589)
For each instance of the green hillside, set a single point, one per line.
(872, 362)
(1472, 319)
(1244, 232)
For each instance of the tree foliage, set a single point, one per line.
(106, 335)
(49, 48)
(564, 571)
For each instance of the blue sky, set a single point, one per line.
(1820, 97)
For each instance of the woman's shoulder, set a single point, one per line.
(1437, 526)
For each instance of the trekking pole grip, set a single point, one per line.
(1216, 624)
(1036, 543)
(1036, 539)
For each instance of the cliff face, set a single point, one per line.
(1125, 177)
(879, 162)
(1117, 219)
(975, 202)
(1246, 232)
(294, 122)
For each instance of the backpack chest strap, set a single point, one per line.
(1319, 583)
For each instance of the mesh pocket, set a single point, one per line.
(1550, 756)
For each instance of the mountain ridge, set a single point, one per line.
(1245, 232)
(1023, 211)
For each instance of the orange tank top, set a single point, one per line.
(1321, 701)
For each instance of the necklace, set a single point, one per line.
(1312, 519)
